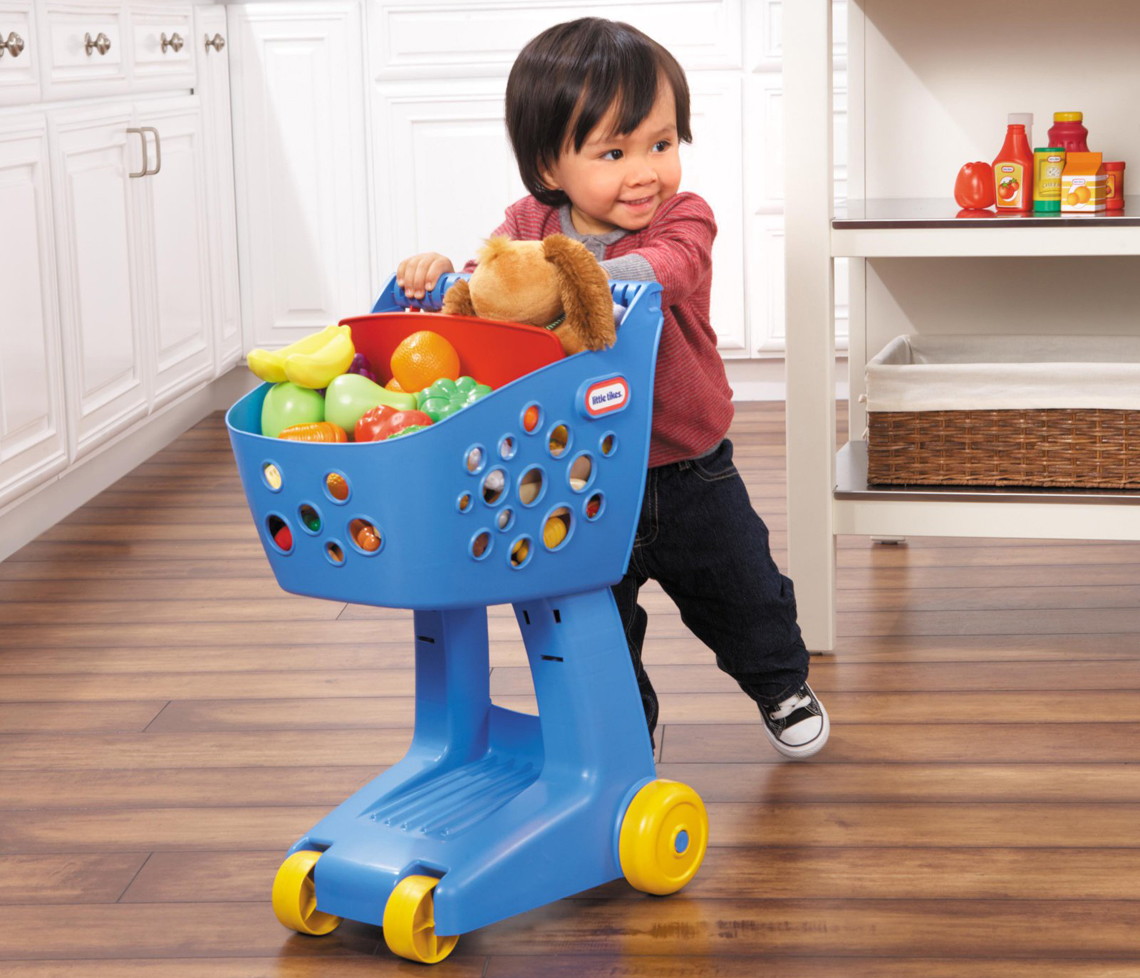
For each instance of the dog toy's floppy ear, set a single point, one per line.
(457, 299)
(585, 293)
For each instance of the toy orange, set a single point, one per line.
(423, 358)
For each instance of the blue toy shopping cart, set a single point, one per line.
(528, 496)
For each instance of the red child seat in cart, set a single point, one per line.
(493, 352)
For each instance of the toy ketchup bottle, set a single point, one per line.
(1013, 171)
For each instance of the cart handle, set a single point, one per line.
(392, 298)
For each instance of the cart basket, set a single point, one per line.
(533, 490)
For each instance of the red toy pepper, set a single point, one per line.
(382, 422)
(974, 188)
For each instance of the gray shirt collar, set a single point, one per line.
(595, 243)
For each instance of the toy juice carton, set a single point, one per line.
(1083, 184)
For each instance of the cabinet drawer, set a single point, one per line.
(19, 57)
(86, 53)
(162, 45)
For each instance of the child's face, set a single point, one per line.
(621, 181)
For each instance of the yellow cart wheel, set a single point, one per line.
(663, 837)
(295, 896)
(409, 922)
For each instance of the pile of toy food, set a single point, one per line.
(1062, 177)
(324, 391)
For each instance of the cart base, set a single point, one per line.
(508, 811)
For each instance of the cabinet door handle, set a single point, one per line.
(146, 171)
(157, 148)
(217, 42)
(14, 45)
(145, 154)
(102, 43)
(174, 41)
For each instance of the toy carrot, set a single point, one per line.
(314, 431)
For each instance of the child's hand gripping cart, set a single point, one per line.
(531, 496)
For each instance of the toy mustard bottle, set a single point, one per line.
(1013, 171)
(1068, 132)
(1048, 165)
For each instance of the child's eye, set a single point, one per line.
(661, 146)
(613, 154)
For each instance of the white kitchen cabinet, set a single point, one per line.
(136, 305)
(117, 268)
(33, 445)
(163, 53)
(213, 89)
(83, 49)
(19, 61)
(101, 317)
(930, 91)
(444, 173)
(174, 254)
(304, 210)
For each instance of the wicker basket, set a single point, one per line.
(1093, 444)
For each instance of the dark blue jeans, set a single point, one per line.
(700, 539)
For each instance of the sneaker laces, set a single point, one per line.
(785, 708)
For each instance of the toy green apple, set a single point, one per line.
(350, 395)
(288, 404)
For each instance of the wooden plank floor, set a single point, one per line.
(170, 721)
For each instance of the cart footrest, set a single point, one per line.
(447, 805)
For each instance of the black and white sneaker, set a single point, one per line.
(797, 726)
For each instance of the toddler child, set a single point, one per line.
(596, 111)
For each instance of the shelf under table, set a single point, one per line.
(966, 511)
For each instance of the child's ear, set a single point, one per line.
(546, 175)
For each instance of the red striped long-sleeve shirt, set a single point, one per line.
(692, 401)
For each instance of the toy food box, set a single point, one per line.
(1083, 185)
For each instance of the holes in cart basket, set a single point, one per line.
(609, 443)
(506, 518)
(279, 532)
(556, 528)
(494, 485)
(309, 517)
(475, 459)
(481, 544)
(531, 485)
(336, 485)
(558, 441)
(464, 502)
(521, 551)
(334, 552)
(581, 472)
(507, 447)
(594, 507)
(365, 536)
(271, 476)
(531, 418)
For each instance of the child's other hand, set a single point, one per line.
(417, 275)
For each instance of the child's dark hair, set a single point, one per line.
(566, 79)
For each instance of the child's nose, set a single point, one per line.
(641, 171)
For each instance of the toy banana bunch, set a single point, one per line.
(310, 362)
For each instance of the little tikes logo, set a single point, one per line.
(606, 396)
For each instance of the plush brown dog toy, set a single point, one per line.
(554, 283)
